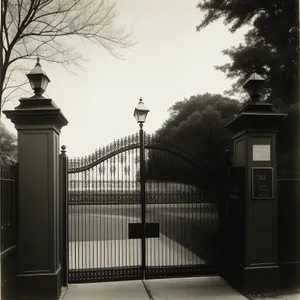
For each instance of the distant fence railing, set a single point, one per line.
(106, 198)
(8, 199)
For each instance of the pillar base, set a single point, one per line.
(290, 274)
(39, 286)
(254, 279)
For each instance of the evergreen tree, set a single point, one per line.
(272, 45)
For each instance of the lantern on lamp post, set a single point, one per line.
(140, 113)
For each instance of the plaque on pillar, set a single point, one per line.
(261, 152)
(262, 183)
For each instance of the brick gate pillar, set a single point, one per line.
(38, 122)
(252, 213)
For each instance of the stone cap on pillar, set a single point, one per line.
(256, 116)
(37, 111)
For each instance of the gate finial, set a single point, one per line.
(63, 149)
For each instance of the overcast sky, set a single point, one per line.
(170, 62)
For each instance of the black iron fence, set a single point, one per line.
(289, 226)
(8, 199)
(63, 192)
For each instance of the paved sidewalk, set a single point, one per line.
(287, 294)
(157, 289)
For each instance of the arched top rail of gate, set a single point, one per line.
(152, 141)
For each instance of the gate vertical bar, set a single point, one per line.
(63, 164)
(142, 183)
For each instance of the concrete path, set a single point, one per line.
(121, 251)
(118, 253)
(207, 288)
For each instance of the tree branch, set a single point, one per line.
(40, 27)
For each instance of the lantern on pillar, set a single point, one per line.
(38, 79)
(253, 86)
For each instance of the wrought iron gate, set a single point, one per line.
(116, 233)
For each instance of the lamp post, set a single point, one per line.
(140, 114)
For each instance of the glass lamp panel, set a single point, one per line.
(44, 82)
(31, 83)
(253, 84)
(248, 88)
(142, 116)
(136, 115)
(35, 81)
(253, 87)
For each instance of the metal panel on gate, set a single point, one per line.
(187, 215)
(103, 198)
(135, 230)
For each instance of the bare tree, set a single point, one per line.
(31, 28)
